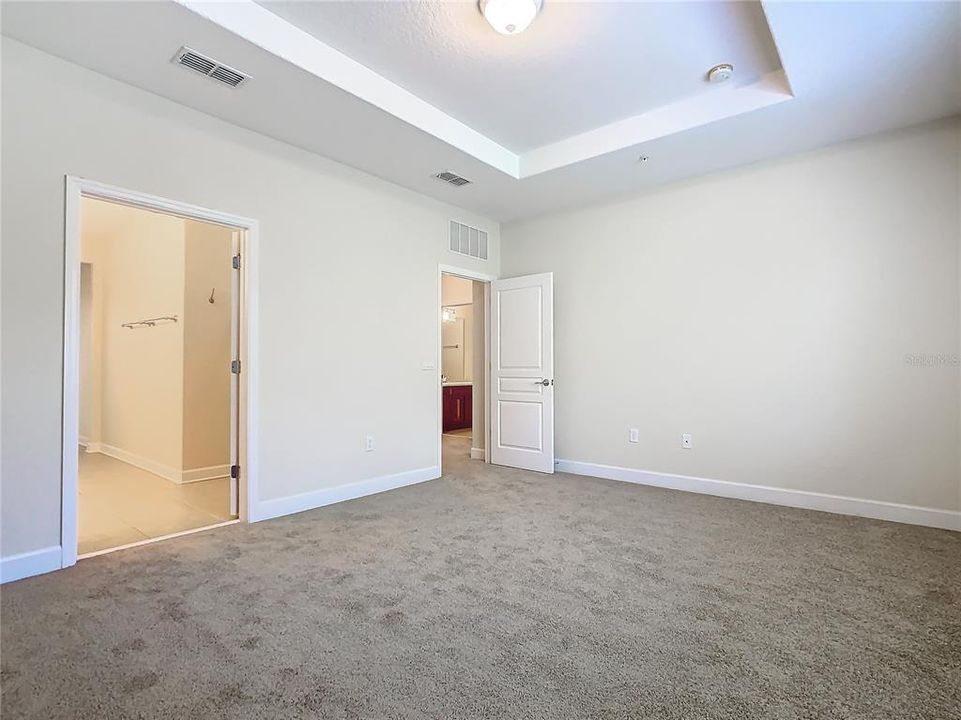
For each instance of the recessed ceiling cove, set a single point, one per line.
(546, 120)
(585, 80)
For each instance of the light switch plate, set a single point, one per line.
(633, 435)
(428, 366)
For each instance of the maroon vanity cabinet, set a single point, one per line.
(457, 406)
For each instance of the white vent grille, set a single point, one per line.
(467, 240)
(209, 67)
(452, 178)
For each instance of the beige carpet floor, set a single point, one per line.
(494, 593)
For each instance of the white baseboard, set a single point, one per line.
(36, 562)
(88, 445)
(268, 509)
(205, 473)
(876, 509)
(477, 453)
(168, 473)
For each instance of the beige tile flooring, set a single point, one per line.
(466, 432)
(122, 504)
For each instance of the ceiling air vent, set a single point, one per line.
(209, 67)
(454, 179)
(467, 240)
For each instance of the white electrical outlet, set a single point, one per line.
(370, 443)
(687, 442)
(633, 435)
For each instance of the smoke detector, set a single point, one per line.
(720, 73)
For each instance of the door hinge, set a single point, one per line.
(234, 472)
(235, 367)
(235, 262)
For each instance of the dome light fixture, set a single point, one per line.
(510, 17)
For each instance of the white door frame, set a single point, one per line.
(487, 279)
(77, 188)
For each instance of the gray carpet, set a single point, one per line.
(493, 593)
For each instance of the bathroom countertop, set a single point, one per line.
(457, 383)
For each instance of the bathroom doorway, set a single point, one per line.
(463, 361)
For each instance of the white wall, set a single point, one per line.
(770, 312)
(336, 245)
(89, 359)
(478, 364)
(206, 360)
(138, 258)
(158, 397)
(456, 290)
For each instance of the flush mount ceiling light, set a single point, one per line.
(510, 17)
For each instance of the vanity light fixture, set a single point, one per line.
(510, 17)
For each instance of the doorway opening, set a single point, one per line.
(463, 367)
(157, 331)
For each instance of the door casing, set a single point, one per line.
(77, 188)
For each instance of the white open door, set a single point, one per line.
(522, 372)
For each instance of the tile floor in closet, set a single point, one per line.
(122, 504)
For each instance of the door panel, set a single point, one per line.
(520, 316)
(521, 425)
(522, 352)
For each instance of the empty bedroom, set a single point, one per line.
(480, 359)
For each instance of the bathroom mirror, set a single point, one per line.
(455, 339)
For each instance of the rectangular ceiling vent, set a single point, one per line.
(467, 240)
(209, 67)
(453, 178)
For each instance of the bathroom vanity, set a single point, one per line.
(457, 403)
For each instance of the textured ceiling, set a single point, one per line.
(579, 65)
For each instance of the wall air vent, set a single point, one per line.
(467, 240)
(209, 67)
(454, 179)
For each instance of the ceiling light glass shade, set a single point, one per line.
(509, 17)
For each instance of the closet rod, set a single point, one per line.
(149, 322)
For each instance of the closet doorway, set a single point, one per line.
(154, 400)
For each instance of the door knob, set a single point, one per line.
(545, 382)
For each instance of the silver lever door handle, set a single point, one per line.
(545, 382)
